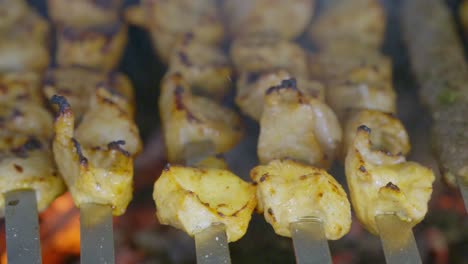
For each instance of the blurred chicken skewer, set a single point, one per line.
(300, 201)
(30, 181)
(195, 129)
(94, 156)
(386, 191)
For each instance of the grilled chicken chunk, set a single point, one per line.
(205, 67)
(20, 87)
(266, 51)
(193, 199)
(27, 163)
(355, 80)
(383, 182)
(296, 126)
(96, 157)
(82, 13)
(200, 18)
(286, 18)
(251, 88)
(388, 133)
(79, 85)
(24, 45)
(189, 118)
(98, 47)
(288, 191)
(361, 21)
(17, 10)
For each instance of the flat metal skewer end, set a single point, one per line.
(310, 242)
(96, 231)
(464, 192)
(22, 227)
(212, 245)
(397, 239)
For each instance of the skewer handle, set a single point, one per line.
(97, 237)
(310, 243)
(212, 245)
(22, 227)
(398, 240)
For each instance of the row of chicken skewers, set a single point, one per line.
(301, 101)
(89, 147)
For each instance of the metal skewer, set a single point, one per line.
(22, 227)
(96, 232)
(464, 192)
(397, 239)
(310, 243)
(211, 243)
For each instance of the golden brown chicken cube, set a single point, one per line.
(200, 18)
(27, 163)
(84, 12)
(266, 51)
(286, 18)
(188, 118)
(251, 88)
(205, 67)
(361, 21)
(382, 182)
(296, 126)
(193, 199)
(288, 191)
(79, 85)
(97, 47)
(387, 131)
(97, 166)
(20, 87)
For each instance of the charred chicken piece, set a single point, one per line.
(286, 18)
(288, 191)
(296, 126)
(266, 51)
(384, 182)
(193, 199)
(388, 133)
(97, 47)
(80, 85)
(200, 18)
(26, 162)
(96, 161)
(251, 88)
(361, 21)
(205, 67)
(21, 87)
(84, 13)
(189, 118)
